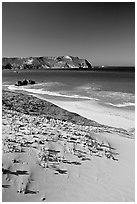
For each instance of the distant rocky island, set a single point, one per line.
(62, 62)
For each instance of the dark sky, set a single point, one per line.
(103, 33)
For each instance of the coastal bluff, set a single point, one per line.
(61, 62)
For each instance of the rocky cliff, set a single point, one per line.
(61, 62)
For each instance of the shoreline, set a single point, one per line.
(93, 110)
(61, 97)
(104, 114)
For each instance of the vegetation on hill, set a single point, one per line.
(34, 106)
(62, 62)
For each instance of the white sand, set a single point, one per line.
(105, 180)
(106, 115)
(99, 179)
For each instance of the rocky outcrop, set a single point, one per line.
(61, 62)
(24, 82)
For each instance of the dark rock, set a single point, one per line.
(8, 66)
(31, 82)
(24, 82)
(18, 83)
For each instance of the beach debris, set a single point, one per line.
(43, 199)
(16, 161)
(73, 139)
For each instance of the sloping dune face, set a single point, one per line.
(46, 158)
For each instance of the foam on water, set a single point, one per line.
(50, 93)
(85, 92)
(121, 105)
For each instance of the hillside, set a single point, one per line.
(62, 62)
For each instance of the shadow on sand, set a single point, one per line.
(18, 172)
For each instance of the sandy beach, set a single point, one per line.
(50, 154)
(102, 114)
(68, 101)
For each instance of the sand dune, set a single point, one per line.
(48, 159)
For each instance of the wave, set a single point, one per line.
(41, 91)
(122, 105)
(50, 93)
(89, 87)
(48, 84)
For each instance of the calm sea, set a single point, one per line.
(116, 89)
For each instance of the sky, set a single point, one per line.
(103, 33)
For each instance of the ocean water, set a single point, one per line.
(115, 89)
